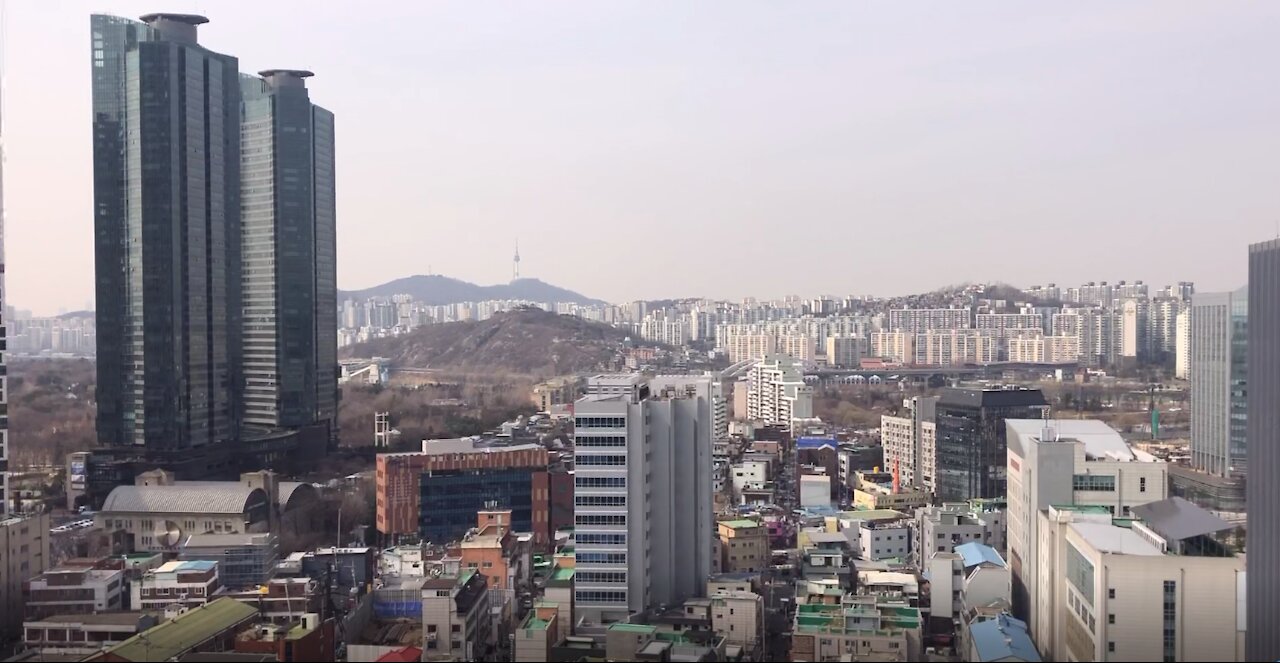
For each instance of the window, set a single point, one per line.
(1142, 484)
(600, 500)
(600, 422)
(1111, 593)
(1111, 646)
(601, 441)
(601, 539)
(455, 628)
(1094, 483)
(598, 596)
(600, 460)
(600, 482)
(599, 519)
(941, 536)
(1170, 620)
(583, 576)
(1111, 618)
(1080, 573)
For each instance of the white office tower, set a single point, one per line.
(777, 393)
(643, 477)
(1064, 463)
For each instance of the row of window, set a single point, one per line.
(593, 596)
(600, 482)
(599, 519)
(600, 460)
(585, 539)
(600, 558)
(600, 422)
(601, 441)
(582, 576)
(600, 500)
(1094, 482)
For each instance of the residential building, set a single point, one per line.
(970, 455)
(207, 628)
(1067, 462)
(916, 320)
(4, 347)
(538, 633)
(1162, 326)
(845, 351)
(176, 583)
(856, 627)
(909, 441)
(777, 393)
(942, 528)
(24, 553)
(1003, 321)
(306, 640)
(559, 590)
(1182, 360)
(743, 342)
(1002, 638)
(436, 493)
(973, 576)
(455, 618)
(898, 347)
(883, 490)
(815, 490)
(823, 453)
(1219, 398)
(738, 617)
(557, 391)
(1110, 587)
(744, 546)
(288, 252)
(76, 587)
(643, 504)
(83, 634)
(1263, 451)
(167, 221)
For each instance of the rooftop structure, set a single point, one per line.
(200, 629)
(1001, 639)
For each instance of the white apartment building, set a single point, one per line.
(953, 347)
(1003, 321)
(643, 522)
(799, 346)
(918, 320)
(777, 393)
(894, 346)
(745, 342)
(1158, 588)
(662, 329)
(845, 351)
(1065, 462)
(909, 442)
(1182, 360)
(748, 472)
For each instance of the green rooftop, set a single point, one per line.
(532, 623)
(1082, 508)
(873, 514)
(633, 628)
(184, 632)
(561, 574)
(740, 524)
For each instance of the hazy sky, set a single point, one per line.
(657, 149)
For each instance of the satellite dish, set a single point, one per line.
(169, 535)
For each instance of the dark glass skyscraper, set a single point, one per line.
(166, 151)
(971, 441)
(1262, 491)
(290, 289)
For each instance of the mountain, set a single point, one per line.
(436, 289)
(527, 341)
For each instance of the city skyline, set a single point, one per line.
(959, 125)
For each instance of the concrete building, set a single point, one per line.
(738, 617)
(857, 627)
(557, 391)
(208, 628)
(845, 351)
(970, 578)
(1001, 638)
(1182, 346)
(5, 345)
(435, 494)
(1158, 588)
(455, 618)
(944, 527)
(76, 588)
(176, 584)
(1263, 496)
(83, 634)
(744, 546)
(1064, 463)
(24, 553)
(538, 633)
(894, 346)
(971, 438)
(776, 392)
(879, 490)
(815, 490)
(244, 560)
(910, 442)
(1219, 399)
(643, 505)
(917, 320)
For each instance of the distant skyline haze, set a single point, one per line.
(645, 150)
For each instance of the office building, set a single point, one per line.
(182, 583)
(1263, 451)
(83, 634)
(1067, 462)
(4, 372)
(24, 553)
(1157, 587)
(909, 442)
(643, 523)
(166, 154)
(77, 588)
(436, 493)
(1182, 345)
(1219, 402)
(244, 560)
(776, 392)
(970, 447)
(289, 323)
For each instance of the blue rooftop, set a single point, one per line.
(1002, 638)
(975, 553)
(816, 442)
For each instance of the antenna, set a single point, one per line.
(515, 263)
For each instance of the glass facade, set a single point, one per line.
(970, 447)
(449, 500)
(166, 152)
(1080, 573)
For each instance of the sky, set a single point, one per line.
(725, 149)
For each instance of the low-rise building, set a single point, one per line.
(855, 628)
(84, 633)
(244, 560)
(281, 600)
(455, 618)
(881, 490)
(815, 490)
(208, 628)
(1002, 638)
(303, 640)
(738, 618)
(538, 633)
(77, 587)
(941, 528)
(559, 590)
(972, 577)
(176, 583)
(24, 552)
(744, 546)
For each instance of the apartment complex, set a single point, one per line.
(909, 441)
(1063, 463)
(642, 499)
(915, 320)
(1219, 398)
(776, 392)
(970, 447)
